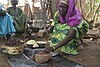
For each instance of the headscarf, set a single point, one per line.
(71, 20)
(14, 3)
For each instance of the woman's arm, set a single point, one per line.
(68, 38)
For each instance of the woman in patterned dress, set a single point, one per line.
(68, 28)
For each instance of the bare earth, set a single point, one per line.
(89, 56)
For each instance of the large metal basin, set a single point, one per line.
(24, 60)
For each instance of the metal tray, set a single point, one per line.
(24, 60)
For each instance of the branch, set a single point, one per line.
(82, 11)
(94, 36)
(93, 18)
(91, 6)
(84, 5)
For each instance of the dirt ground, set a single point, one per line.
(89, 56)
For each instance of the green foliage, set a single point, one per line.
(96, 3)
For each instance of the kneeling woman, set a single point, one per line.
(68, 28)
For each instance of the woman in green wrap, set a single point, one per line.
(18, 15)
(68, 27)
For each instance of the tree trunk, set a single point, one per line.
(54, 6)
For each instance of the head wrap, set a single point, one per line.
(70, 20)
(65, 2)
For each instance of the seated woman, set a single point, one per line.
(18, 15)
(68, 27)
(6, 23)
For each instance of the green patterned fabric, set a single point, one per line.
(62, 30)
(19, 18)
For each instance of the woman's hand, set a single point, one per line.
(49, 49)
